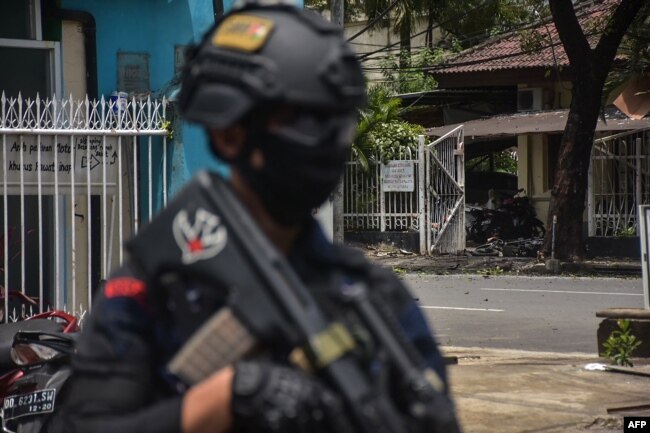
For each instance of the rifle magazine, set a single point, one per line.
(221, 341)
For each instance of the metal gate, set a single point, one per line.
(442, 194)
(619, 181)
(430, 198)
(77, 179)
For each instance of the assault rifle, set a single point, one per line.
(207, 234)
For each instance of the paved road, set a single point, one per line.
(554, 314)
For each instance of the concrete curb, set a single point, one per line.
(464, 264)
(516, 353)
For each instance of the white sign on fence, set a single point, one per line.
(95, 158)
(398, 176)
(644, 225)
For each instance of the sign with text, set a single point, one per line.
(398, 176)
(89, 153)
(133, 72)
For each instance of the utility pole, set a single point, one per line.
(218, 9)
(336, 8)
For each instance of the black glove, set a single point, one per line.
(429, 411)
(440, 416)
(272, 398)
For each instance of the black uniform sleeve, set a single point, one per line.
(115, 385)
(409, 315)
(390, 291)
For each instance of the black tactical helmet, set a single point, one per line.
(258, 55)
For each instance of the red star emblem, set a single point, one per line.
(195, 245)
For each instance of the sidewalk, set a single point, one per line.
(508, 391)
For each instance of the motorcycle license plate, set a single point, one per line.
(32, 403)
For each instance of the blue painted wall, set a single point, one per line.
(150, 26)
(154, 27)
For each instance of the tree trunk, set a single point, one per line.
(429, 37)
(405, 47)
(571, 177)
(405, 33)
(591, 66)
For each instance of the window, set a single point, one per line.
(16, 20)
(29, 65)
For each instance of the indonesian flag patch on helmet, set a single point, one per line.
(243, 32)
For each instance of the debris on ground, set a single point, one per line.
(394, 257)
(607, 423)
(595, 366)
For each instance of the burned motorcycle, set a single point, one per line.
(514, 219)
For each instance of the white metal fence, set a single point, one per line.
(619, 181)
(368, 207)
(77, 177)
(421, 192)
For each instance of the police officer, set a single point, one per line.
(278, 89)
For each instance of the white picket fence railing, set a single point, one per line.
(77, 178)
(367, 207)
(619, 182)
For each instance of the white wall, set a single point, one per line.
(74, 60)
(373, 40)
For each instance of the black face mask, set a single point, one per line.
(303, 162)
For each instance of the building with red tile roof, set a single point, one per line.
(532, 62)
(526, 54)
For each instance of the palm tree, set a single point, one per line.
(381, 109)
(404, 13)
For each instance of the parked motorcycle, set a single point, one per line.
(514, 219)
(34, 365)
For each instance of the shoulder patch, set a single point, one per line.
(126, 287)
(243, 32)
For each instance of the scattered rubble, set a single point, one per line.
(410, 261)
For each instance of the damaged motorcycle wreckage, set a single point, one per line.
(511, 229)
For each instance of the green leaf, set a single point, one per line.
(621, 343)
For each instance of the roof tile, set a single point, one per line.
(506, 51)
